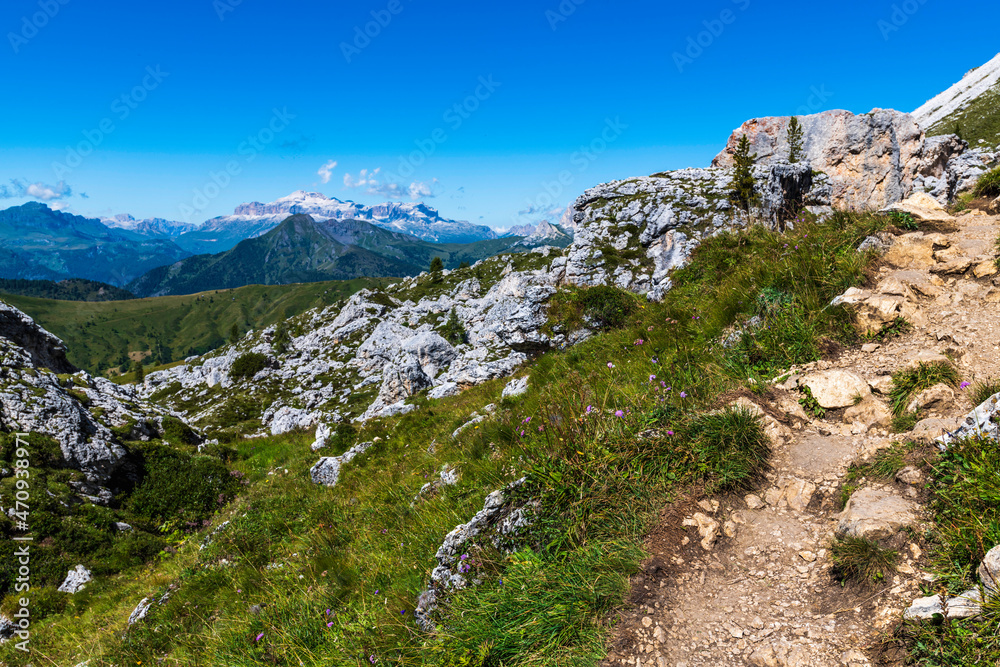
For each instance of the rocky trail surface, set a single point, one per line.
(746, 580)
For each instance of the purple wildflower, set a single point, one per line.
(619, 413)
(259, 637)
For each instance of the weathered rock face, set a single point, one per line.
(42, 348)
(632, 233)
(77, 411)
(873, 160)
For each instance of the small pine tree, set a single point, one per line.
(281, 338)
(794, 140)
(454, 330)
(437, 266)
(742, 194)
(958, 131)
(140, 373)
(234, 334)
(463, 265)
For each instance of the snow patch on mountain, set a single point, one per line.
(417, 219)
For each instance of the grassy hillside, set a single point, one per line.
(608, 433)
(72, 289)
(163, 329)
(979, 121)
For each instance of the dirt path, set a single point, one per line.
(761, 592)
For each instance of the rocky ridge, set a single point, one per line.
(41, 392)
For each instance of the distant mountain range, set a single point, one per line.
(254, 218)
(41, 244)
(150, 227)
(304, 237)
(301, 249)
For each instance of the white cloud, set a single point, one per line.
(17, 189)
(326, 171)
(59, 206)
(373, 184)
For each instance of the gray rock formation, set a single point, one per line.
(632, 233)
(78, 411)
(76, 580)
(327, 469)
(499, 522)
(984, 421)
(872, 160)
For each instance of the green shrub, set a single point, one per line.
(988, 185)
(903, 220)
(910, 381)
(601, 306)
(861, 560)
(179, 488)
(177, 432)
(453, 330)
(248, 365)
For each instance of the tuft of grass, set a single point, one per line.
(861, 560)
(988, 185)
(910, 381)
(886, 463)
(905, 421)
(981, 390)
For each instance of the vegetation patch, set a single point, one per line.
(247, 365)
(908, 382)
(602, 307)
(988, 185)
(862, 561)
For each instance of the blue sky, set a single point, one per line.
(195, 106)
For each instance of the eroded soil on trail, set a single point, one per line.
(762, 593)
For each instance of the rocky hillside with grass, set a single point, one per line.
(740, 419)
(970, 108)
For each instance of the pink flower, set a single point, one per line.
(652, 377)
(670, 432)
(259, 637)
(590, 408)
(965, 384)
(610, 365)
(683, 395)
(619, 413)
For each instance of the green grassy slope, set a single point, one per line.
(979, 121)
(102, 335)
(71, 289)
(608, 433)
